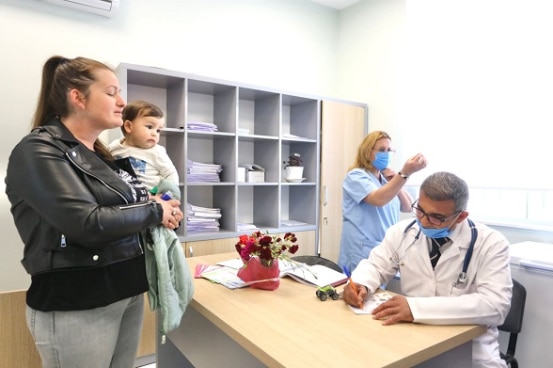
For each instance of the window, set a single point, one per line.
(476, 95)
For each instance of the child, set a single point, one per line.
(169, 279)
(142, 124)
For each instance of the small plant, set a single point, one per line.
(293, 160)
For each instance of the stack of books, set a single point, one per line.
(200, 172)
(202, 219)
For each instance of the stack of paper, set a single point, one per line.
(200, 172)
(201, 126)
(244, 227)
(202, 219)
(225, 276)
(292, 223)
(374, 301)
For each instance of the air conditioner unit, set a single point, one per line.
(105, 8)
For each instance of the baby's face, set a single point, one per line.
(143, 132)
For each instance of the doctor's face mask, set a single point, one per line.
(434, 233)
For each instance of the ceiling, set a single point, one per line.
(336, 4)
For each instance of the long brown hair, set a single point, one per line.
(363, 158)
(59, 75)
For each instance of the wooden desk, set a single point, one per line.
(291, 327)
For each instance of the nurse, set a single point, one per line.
(373, 197)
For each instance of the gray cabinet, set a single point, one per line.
(254, 125)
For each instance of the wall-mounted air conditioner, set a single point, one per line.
(105, 8)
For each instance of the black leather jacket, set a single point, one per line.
(70, 208)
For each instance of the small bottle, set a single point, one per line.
(167, 195)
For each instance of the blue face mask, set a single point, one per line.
(382, 160)
(434, 233)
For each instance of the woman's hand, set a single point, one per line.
(414, 164)
(388, 173)
(172, 213)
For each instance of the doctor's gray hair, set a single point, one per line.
(444, 186)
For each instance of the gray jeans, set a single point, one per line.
(95, 338)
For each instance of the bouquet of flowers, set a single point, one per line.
(266, 247)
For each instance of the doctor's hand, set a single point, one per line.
(394, 310)
(355, 298)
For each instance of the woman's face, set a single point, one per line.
(381, 145)
(104, 103)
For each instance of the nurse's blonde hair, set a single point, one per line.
(363, 159)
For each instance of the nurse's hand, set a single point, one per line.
(414, 164)
(388, 173)
(394, 310)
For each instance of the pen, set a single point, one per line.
(352, 286)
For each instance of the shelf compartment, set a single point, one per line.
(173, 141)
(214, 149)
(212, 103)
(298, 203)
(214, 196)
(309, 156)
(165, 91)
(259, 112)
(300, 118)
(257, 204)
(263, 152)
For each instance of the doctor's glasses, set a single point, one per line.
(436, 220)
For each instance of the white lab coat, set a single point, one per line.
(484, 299)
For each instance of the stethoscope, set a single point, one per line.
(462, 277)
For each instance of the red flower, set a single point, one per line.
(266, 247)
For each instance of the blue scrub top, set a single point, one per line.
(363, 225)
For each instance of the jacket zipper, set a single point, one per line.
(67, 154)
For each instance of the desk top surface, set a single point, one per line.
(291, 327)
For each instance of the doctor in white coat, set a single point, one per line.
(461, 288)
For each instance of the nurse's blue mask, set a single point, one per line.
(382, 160)
(434, 233)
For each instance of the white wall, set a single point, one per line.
(283, 44)
(371, 35)
(468, 83)
(357, 54)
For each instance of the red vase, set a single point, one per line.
(260, 276)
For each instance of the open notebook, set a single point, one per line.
(316, 275)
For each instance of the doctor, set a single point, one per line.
(469, 283)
